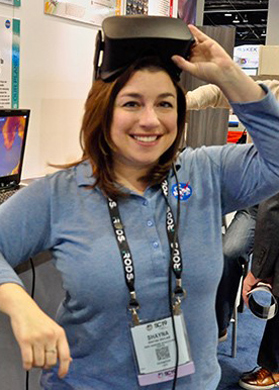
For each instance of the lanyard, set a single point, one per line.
(127, 259)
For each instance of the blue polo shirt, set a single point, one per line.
(60, 213)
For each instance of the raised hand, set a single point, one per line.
(207, 59)
(211, 63)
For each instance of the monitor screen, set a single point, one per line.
(12, 138)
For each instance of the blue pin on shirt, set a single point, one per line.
(185, 191)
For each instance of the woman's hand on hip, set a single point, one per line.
(43, 343)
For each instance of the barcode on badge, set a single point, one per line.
(163, 353)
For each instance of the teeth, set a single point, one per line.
(150, 138)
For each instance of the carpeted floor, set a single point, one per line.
(249, 333)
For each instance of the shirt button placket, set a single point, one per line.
(150, 223)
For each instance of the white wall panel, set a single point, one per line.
(55, 76)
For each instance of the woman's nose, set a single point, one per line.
(149, 117)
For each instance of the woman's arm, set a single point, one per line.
(26, 230)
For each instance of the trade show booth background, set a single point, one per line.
(56, 68)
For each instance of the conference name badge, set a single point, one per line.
(155, 350)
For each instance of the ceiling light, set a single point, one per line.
(236, 20)
(227, 14)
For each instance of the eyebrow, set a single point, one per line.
(138, 95)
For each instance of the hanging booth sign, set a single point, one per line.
(95, 11)
(9, 62)
(163, 8)
(11, 2)
(86, 11)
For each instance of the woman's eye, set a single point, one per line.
(166, 104)
(131, 104)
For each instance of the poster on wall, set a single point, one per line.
(187, 10)
(150, 7)
(11, 2)
(247, 57)
(163, 8)
(9, 62)
(87, 11)
(95, 11)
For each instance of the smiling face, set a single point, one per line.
(144, 123)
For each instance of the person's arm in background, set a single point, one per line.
(211, 96)
(265, 262)
(206, 96)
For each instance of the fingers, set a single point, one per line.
(245, 290)
(38, 355)
(193, 68)
(64, 356)
(198, 34)
(183, 64)
(245, 298)
(27, 357)
(50, 355)
(248, 284)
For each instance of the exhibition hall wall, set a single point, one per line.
(56, 67)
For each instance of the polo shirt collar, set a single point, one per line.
(84, 174)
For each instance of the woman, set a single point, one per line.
(131, 133)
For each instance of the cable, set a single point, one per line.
(32, 296)
(211, 21)
(33, 278)
(170, 281)
(174, 330)
(27, 380)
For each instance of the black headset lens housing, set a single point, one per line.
(125, 39)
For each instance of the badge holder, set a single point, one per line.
(155, 349)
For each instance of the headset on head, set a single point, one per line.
(124, 39)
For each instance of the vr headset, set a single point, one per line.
(124, 39)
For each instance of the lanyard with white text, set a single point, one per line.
(128, 264)
(126, 256)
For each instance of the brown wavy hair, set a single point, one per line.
(95, 137)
